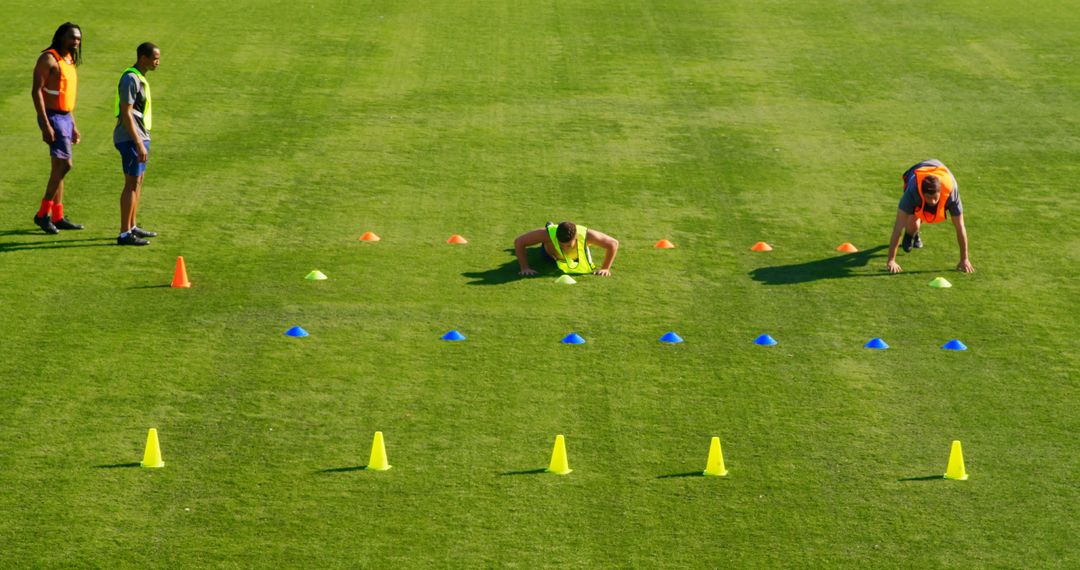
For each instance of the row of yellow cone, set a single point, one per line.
(559, 465)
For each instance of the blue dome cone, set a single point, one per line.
(296, 332)
(876, 343)
(671, 337)
(765, 340)
(453, 335)
(573, 338)
(954, 344)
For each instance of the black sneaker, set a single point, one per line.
(139, 232)
(906, 243)
(46, 224)
(65, 224)
(916, 242)
(131, 239)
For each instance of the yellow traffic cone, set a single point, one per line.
(152, 456)
(956, 470)
(378, 461)
(559, 464)
(715, 465)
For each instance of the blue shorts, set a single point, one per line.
(63, 127)
(129, 157)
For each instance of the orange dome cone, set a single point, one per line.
(457, 239)
(369, 236)
(664, 244)
(847, 247)
(761, 246)
(180, 280)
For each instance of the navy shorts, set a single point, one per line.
(129, 157)
(63, 127)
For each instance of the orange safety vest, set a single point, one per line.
(69, 84)
(947, 187)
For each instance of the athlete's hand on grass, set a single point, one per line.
(527, 272)
(893, 267)
(965, 266)
(48, 135)
(602, 272)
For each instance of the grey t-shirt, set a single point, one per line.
(910, 199)
(131, 92)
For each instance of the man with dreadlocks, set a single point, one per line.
(54, 88)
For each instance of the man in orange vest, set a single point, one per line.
(930, 195)
(54, 89)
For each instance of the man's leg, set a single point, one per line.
(128, 197)
(911, 234)
(54, 193)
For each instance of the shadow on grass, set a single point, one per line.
(832, 267)
(66, 243)
(680, 475)
(509, 271)
(937, 477)
(158, 286)
(20, 232)
(527, 472)
(117, 465)
(343, 469)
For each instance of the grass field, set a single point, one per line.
(285, 130)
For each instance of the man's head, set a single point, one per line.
(149, 56)
(67, 41)
(931, 190)
(565, 233)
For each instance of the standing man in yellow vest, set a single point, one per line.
(930, 195)
(134, 118)
(54, 88)
(567, 246)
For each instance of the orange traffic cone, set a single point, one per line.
(369, 236)
(457, 239)
(180, 280)
(846, 247)
(761, 246)
(664, 244)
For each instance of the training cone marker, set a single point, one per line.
(377, 461)
(296, 332)
(573, 338)
(955, 469)
(940, 283)
(457, 239)
(369, 236)
(671, 337)
(761, 246)
(180, 280)
(954, 344)
(714, 467)
(566, 280)
(315, 275)
(453, 335)
(846, 247)
(765, 340)
(876, 343)
(559, 465)
(664, 244)
(152, 456)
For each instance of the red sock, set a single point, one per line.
(46, 206)
(57, 211)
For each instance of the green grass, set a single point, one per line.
(284, 130)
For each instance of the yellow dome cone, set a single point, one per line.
(715, 465)
(378, 461)
(152, 455)
(559, 465)
(955, 470)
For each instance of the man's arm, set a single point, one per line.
(962, 242)
(523, 241)
(127, 120)
(42, 70)
(607, 242)
(894, 241)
